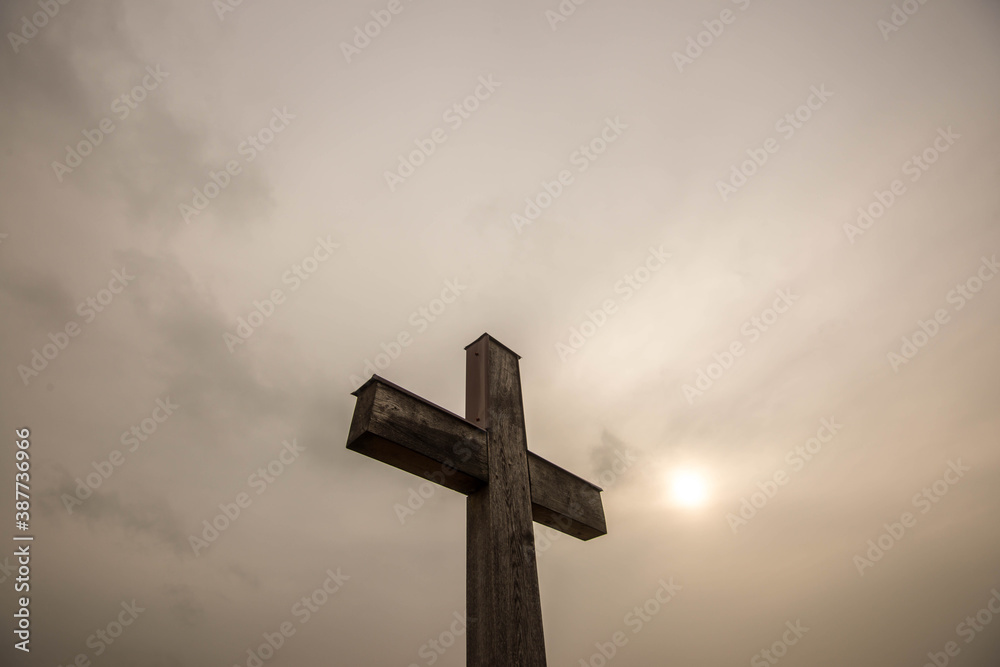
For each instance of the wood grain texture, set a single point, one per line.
(502, 576)
(407, 432)
(394, 426)
(485, 456)
(565, 502)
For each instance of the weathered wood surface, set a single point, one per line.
(405, 431)
(396, 427)
(565, 502)
(502, 598)
(484, 456)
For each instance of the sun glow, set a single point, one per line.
(688, 488)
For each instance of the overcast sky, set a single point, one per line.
(746, 246)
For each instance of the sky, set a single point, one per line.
(745, 249)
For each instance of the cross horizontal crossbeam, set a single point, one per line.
(401, 429)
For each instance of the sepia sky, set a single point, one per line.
(745, 249)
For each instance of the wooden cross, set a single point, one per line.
(484, 456)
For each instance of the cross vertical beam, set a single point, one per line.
(503, 604)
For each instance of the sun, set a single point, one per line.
(688, 488)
